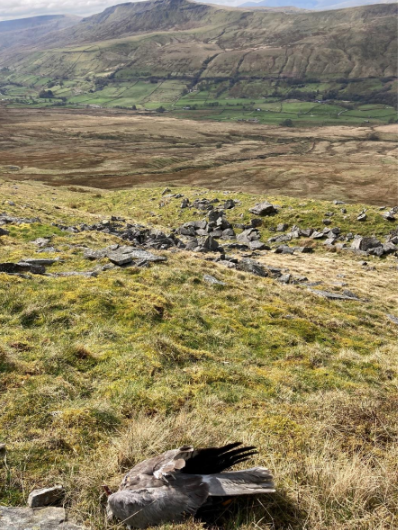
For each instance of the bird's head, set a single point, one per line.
(108, 492)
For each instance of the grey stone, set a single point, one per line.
(317, 235)
(3, 450)
(16, 268)
(285, 278)
(166, 190)
(248, 265)
(258, 245)
(210, 244)
(96, 254)
(393, 319)
(123, 259)
(338, 202)
(49, 518)
(46, 497)
(210, 279)
(282, 227)
(38, 261)
(256, 223)
(228, 233)
(365, 243)
(335, 296)
(251, 234)
(4, 232)
(306, 232)
(87, 274)
(362, 217)
(264, 208)
(228, 204)
(389, 216)
(192, 244)
(326, 221)
(184, 203)
(304, 250)
(284, 249)
(42, 241)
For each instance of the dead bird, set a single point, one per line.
(179, 482)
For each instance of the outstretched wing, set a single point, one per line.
(216, 459)
(181, 495)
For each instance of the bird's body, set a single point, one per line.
(179, 482)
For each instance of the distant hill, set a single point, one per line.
(315, 4)
(26, 31)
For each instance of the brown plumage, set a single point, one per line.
(179, 482)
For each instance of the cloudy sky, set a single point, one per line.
(10, 9)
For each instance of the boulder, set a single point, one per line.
(264, 208)
(389, 216)
(38, 261)
(18, 268)
(210, 244)
(362, 217)
(184, 203)
(327, 221)
(249, 265)
(46, 497)
(284, 249)
(365, 243)
(284, 278)
(228, 204)
(256, 223)
(282, 227)
(258, 245)
(4, 232)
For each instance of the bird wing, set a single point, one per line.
(188, 460)
(178, 496)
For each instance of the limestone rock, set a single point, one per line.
(45, 497)
(264, 208)
(50, 518)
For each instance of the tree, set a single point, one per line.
(161, 109)
(286, 123)
(45, 94)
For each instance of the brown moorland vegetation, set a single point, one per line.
(109, 149)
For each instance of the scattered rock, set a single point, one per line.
(389, 216)
(38, 261)
(284, 278)
(338, 202)
(365, 243)
(87, 274)
(42, 241)
(284, 249)
(264, 208)
(50, 518)
(4, 232)
(282, 227)
(249, 265)
(46, 497)
(18, 268)
(166, 190)
(256, 223)
(362, 217)
(258, 245)
(228, 204)
(346, 295)
(326, 221)
(184, 203)
(393, 319)
(210, 279)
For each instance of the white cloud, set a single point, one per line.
(10, 9)
(31, 8)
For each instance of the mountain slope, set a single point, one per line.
(26, 31)
(179, 38)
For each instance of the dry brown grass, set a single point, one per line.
(111, 150)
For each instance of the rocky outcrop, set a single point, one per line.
(50, 518)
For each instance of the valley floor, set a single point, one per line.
(114, 150)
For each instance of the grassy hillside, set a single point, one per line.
(178, 55)
(99, 372)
